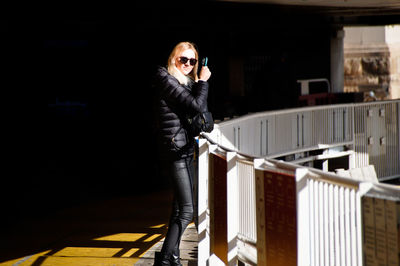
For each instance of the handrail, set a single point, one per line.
(274, 134)
(209, 139)
(302, 109)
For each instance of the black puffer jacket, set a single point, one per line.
(176, 102)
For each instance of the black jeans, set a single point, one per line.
(182, 173)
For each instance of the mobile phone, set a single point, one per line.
(205, 61)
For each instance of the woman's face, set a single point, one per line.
(185, 67)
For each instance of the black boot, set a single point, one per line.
(161, 260)
(176, 260)
(176, 255)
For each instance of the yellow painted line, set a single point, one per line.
(84, 261)
(92, 256)
(123, 237)
(87, 252)
(158, 226)
(152, 237)
(130, 252)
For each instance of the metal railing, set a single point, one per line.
(376, 137)
(247, 200)
(369, 132)
(239, 210)
(332, 226)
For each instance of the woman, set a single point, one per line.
(181, 94)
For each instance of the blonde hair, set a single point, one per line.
(179, 48)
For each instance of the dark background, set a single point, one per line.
(75, 84)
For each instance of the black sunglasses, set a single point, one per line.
(184, 60)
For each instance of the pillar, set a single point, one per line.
(337, 60)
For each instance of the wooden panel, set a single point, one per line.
(280, 219)
(218, 206)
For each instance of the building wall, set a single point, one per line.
(372, 61)
(393, 39)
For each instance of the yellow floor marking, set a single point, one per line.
(68, 261)
(130, 252)
(152, 237)
(158, 226)
(125, 237)
(87, 252)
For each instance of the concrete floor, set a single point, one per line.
(117, 231)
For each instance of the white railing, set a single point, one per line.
(324, 225)
(322, 211)
(313, 217)
(280, 132)
(367, 133)
(376, 137)
(333, 220)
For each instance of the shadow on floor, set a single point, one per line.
(112, 231)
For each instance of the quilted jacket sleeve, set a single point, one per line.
(172, 91)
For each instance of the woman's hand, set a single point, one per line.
(205, 73)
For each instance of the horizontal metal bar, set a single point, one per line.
(322, 157)
(313, 148)
(386, 178)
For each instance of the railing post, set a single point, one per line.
(233, 208)
(203, 219)
(303, 223)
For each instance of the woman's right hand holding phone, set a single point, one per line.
(205, 73)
